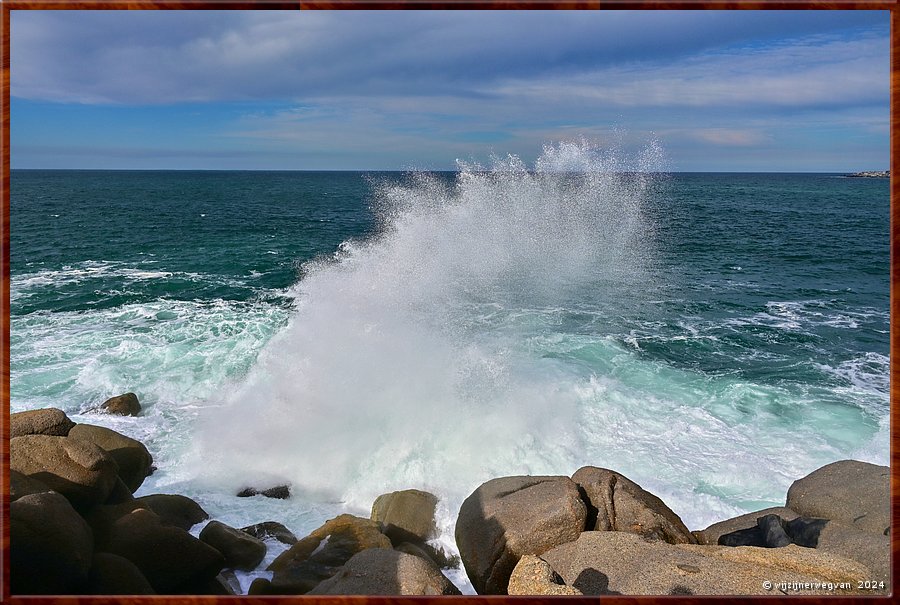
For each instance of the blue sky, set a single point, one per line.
(720, 90)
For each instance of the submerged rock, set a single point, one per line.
(509, 517)
(854, 493)
(122, 405)
(271, 529)
(619, 504)
(47, 421)
(280, 492)
(379, 571)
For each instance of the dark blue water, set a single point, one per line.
(744, 343)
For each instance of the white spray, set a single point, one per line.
(407, 363)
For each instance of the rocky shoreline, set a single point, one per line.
(76, 528)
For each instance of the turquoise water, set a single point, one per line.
(712, 336)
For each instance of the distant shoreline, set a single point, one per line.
(872, 174)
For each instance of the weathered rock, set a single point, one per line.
(711, 534)
(271, 529)
(619, 504)
(534, 576)
(398, 536)
(80, 471)
(122, 405)
(51, 546)
(848, 491)
(509, 517)
(624, 563)
(112, 574)
(22, 485)
(319, 555)
(47, 421)
(871, 550)
(168, 556)
(410, 509)
(379, 571)
(132, 457)
(280, 492)
(175, 510)
(241, 550)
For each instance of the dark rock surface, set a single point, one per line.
(114, 575)
(167, 556)
(51, 546)
(271, 529)
(281, 492)
(241, 550)
(22, 485)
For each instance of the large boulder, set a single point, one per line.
(167, 556)
(80, 471)
(322, 553)
(50, 546)
(410, 509)
(619, 504)
(132, 457)
(112, 574)
(608, 562)
(379, 571)
(848, 491)
(172, 509)
(509, 517)
(534, 576)
(22, 485)
(271, 529)
(873, 551)
(47, 421)
(744, 523)
(122, 405)
(241, 550)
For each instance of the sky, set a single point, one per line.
(743, 91)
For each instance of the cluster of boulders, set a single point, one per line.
(600, 533)
(76, 528)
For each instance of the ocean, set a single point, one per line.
(711, 336)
